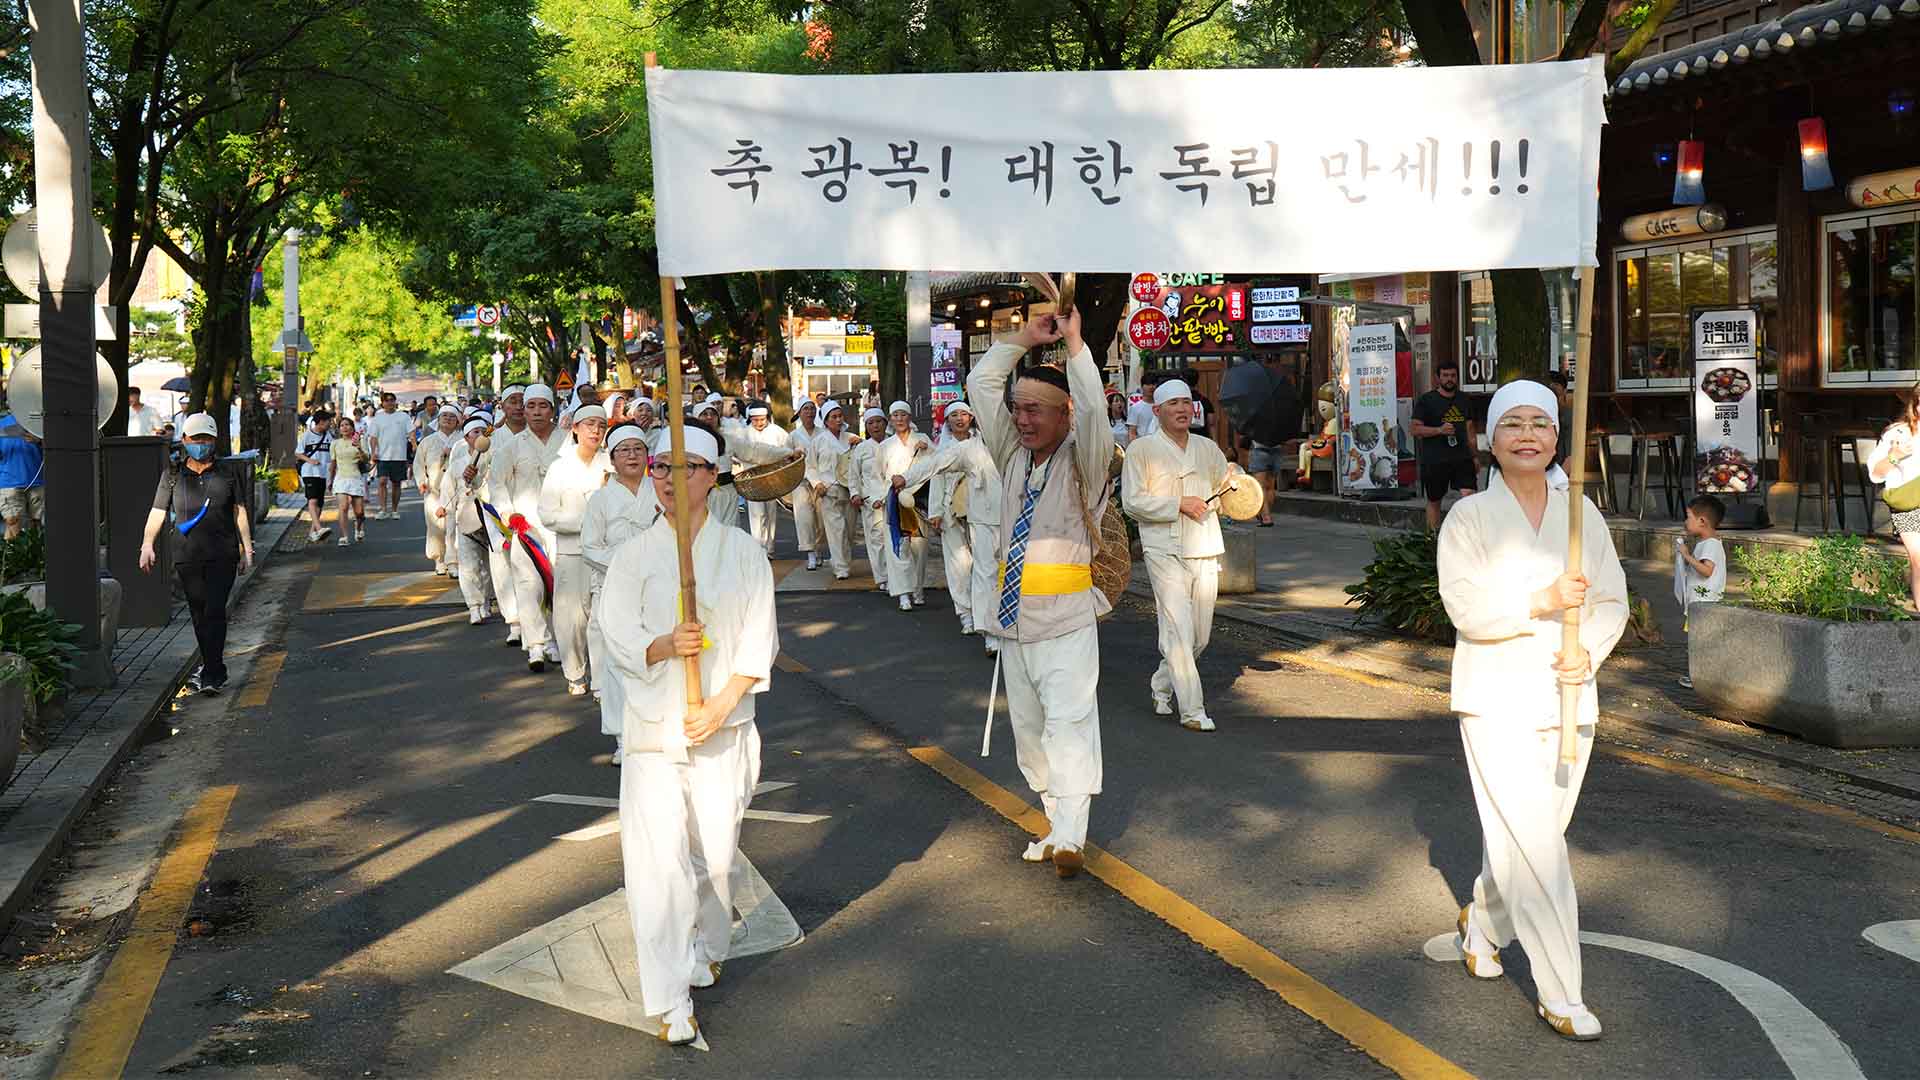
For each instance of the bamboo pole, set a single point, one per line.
(677, 429)
(1576, 507)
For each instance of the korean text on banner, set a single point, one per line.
(1369, 455)
(1419, 169)
(1726, 400)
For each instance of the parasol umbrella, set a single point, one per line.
(1260, 404)
(180, 385)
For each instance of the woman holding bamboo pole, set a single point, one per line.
(1506, 585)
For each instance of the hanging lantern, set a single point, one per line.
(1815, 173)
(1688, 188)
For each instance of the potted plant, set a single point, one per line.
(36, 655)
(1822, 646)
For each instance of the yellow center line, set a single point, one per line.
(111, 1019)
(1378, 1039)
(266, 672)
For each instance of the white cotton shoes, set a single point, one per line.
(678, 1027)
(906, 603)
(1482, 960)
(1037, 852)
(577, 689)
(1575, 1022)
(813, 561)
(705, 975)
(1197, 722)
(1162, 706)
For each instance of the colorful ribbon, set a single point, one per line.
(536, 554)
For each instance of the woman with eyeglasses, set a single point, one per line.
(1503, 577)
(571, 480)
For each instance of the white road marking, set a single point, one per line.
(1808, 1047)
(1899, 938)
(782, 815)
(611, 825)
(580, 800)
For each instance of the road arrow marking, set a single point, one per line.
(1899, 938)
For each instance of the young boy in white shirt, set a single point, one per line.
(1700, 575)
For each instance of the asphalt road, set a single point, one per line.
(384, 831)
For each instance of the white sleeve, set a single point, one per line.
(987, 394)
(1092, 434)
(1604, 618)
(759, 639)
(1484, 603)
(595, 544)
(1137, 495)
(620, 611)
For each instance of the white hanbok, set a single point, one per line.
(806, 506)
(967, 464)
(872, 513)
(614, 516)
(462, 520)
(764, 517)
(493, 488)
(525, 476)
(569, 483)
(906, 568)
(830, 462)
(1491, 563)
(681, 805)
(1182, 555)
(429, 458)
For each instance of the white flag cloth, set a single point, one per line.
(1376, 170)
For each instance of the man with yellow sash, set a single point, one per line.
(1052, 448)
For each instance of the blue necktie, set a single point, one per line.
(1016, 558)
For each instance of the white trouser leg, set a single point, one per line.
(763, 516)
(877, 542)
(723, 771)
(1051, 701)
(956, 558)
(570, 614)
(986, 574)
(907, 571)
(662, 890)
(473, 575)
(1525, 888)
(833, 512)
(449, 539)
(436, 539)
(1184, 591)
(806, 517)
(530, 595)
(604, 682)
(500, 574)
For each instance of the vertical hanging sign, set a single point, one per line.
(1726, 400)
(1368, 459)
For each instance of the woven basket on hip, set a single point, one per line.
(765, 483)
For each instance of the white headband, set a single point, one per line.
(714, 399)
(516, 388)
(1172, 390)
(832, 407)
(540, 392)
(589, 412)
(702, 445)
(899, 406)
(625, 433)
(872, 414)
(758, 410)
(448, 410)
(473, 426)
(1527, 392)
(958, 406)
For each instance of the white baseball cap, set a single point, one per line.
(198, 424)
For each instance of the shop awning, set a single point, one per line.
(1817, 27)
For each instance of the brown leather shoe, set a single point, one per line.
(1067, 862)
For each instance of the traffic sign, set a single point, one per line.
(23, 321)
(1149, 329)
(20, 253)
(26, 391)
(487, 314)
(563, 383)
(1144, 287)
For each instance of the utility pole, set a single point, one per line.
(63, 193)
(291, 343)
(919, 382)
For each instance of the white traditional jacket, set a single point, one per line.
(1157, 475)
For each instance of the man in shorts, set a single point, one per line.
(392, 432)
(1276, 422)
(23, 482)
(1441, 421)
(312, 454)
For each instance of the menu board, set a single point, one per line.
(1369, 438)
(1727, 454)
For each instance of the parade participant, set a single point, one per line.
(641, 413)
(429, 458)
(689, 771)
(622, 509)
(830, 471)
(530, 454)
(870, 493)
(764, 517)
(1166, 485)
(207, 500)
(1502, 569)
(512, 417)
(1053, 449)
(569, 483)
(741, 451)
(460, 510)
(806, 506)
(907, 560)
(348, 465)
(312, 456)
(966, 502)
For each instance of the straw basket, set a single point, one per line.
(765, 483)
(1112, 563)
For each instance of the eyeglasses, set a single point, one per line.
(1515, 425)
(634, 449)
(660, 469)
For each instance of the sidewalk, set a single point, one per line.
(51, 788)
(1305, 563)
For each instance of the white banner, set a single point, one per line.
(1359, 169)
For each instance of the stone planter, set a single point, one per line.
(1850, 685)
(13, 718)
(109, 595)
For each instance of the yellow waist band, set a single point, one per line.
(1050, 579)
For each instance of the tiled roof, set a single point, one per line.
(944, 284)
(1814, 27)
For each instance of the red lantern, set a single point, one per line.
(1816, 174)
(1689, 188)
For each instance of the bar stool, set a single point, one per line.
(1645, 445)
(1601, 449)
(1813, 447)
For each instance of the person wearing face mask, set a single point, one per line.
(806, 504)
(459, 509)
(869, 497)
(1502, 569)
(572, 479)
(622, 509)
(206, 502)
(689, 771)
(830, 472)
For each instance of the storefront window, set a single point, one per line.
(1666, 338)
(1872, 303)
(1479, 364)
(1656, 290)
(1763, 292)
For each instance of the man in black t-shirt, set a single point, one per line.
(213, 541)
(1443, 422)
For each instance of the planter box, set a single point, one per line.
(109, 596)
(1849, 685)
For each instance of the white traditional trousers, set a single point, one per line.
(874, 519)
(449, 531)
(806, 517)
(436, 530)
(837, 516)
(529, 594)
(500, 574)
(906, 570)
(762, 518)
(1056, 724)
(956, 558)
(1525, 888)
(1183, 594)
(986, 573)
(473, 574)
(613, 709)
(679, 828)
(570, 609)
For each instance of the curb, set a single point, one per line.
(48, 826)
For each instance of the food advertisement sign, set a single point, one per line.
(1199, 318)
(1149, 329)
(1369, 439)
(1726, 401)
(946, 365)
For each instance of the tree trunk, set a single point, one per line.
(890, 361)
(1521, 339)
(774, 367)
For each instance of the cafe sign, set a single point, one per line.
(1679, 221)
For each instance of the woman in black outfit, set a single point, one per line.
(213, 542)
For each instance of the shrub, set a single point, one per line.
(24, 558)
(1838, 578)
(1402, 586)
(40, 638)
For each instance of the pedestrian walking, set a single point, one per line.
(1444, 426)
(764, 517)
(314, 457)
(1053, 448)
(1503, 578)
(205, 501)
(1167, 486)
(1700, 574)
(830, 471)
(390, 435)
(906, 558)
(23, 478)
(348, 466)
(689, 772)
(1896, 467)
(574, 477)
(622, 509)
(806, 503)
